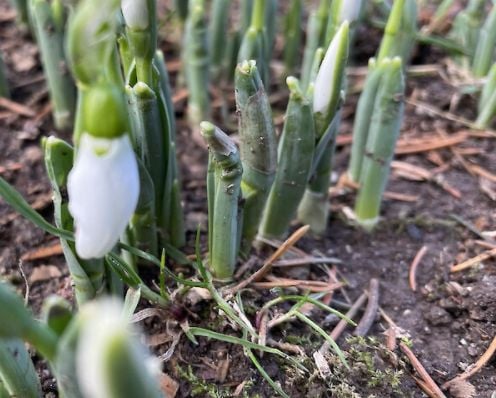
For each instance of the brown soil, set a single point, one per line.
(450, 319)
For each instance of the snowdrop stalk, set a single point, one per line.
(50, 38)
(487, 101)
(316, 30)
(224, 195)
(105, 161)
(258, 147)
(216, 33)
(270, 26)
(484, 52)
(141, 29)
(327, 98)
(4, 87)
(255, 43)
(295, 153)
(400, 31)
(292, 35)
(110, 361)
(182, 9)
(466, 27)
(381, 141)
(363, 118)
(196, 62)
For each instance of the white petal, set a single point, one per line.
(103, 192)
(324, 82)
(135, 13)
(350, 10)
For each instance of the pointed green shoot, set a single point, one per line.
(224, 192)
(258, 147)
(486, 44)
(400, 32)
(295, 153)
(364, 112)
(381, 141)
(487, 102)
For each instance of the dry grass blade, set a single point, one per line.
(473, 261)
(428, 144)
(43, 252)
(426, 378)
(413, 268)
(16, 107)
(260, 274)
(471, 370)
(483, 172)
(339, 328)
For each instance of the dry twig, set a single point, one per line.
(473, 261)
(426, 378)
(413, 268)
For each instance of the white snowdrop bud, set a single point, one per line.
(350, 10)
(327, 87)
(135, 13)
(103, 189)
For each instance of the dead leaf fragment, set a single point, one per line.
(168, 385)
(44, 273)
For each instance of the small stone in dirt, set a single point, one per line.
(438, 316)
(414, 232)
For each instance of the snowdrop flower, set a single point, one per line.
(103, 189)
(350, 10)
(109, 357)
(135, 14)
(327, 87)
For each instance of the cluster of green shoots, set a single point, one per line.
(109, 83)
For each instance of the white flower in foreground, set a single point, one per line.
(329, 78)
(110, 360)
(350, 10)
(103, 189)
(135, 13)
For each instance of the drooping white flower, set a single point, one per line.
(135, 13)
(110, 360)
(103, 189)
(327, 86)
(350, 10)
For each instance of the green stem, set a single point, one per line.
(258, 16)
(60, 83)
